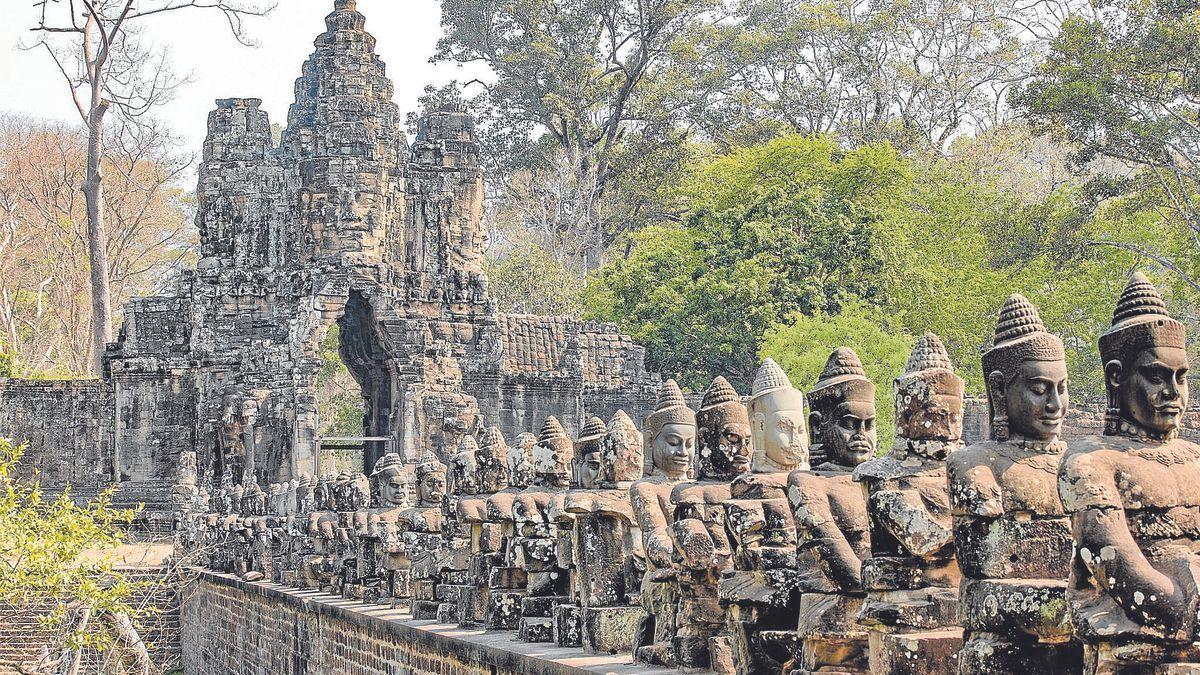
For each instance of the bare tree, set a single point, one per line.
(97, 47)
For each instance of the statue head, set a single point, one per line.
(464, 467)
(929, 396)
(842, 420)
(431, 480)
(585, 471)
(1026, 371)
(622, 451)
(671, 431)
(778, 422)
(520, 460)
(392, 483)
(1145, 364)
(723, 448)
(491, 473)
(553, 455)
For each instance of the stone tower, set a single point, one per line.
(341, 222)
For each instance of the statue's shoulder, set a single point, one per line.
(759, 485)
(969, 462)
(882, 468)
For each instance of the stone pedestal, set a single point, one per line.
(608, 630)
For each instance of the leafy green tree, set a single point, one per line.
(54, 550)
(802, 344)
(1120, 84)
(340, 404)
(529, 280)
(773, 230)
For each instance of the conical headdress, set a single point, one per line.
(929, 366)
(492, 443)
(843, 379)
(468, 444)
(593, 430)
(430, 464)
(770, 377)
(389, 462)
(1020, 336)
(1140, 322)
(671, 409)
(552, 431)
(720, 392)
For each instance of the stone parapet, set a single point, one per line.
(233, 626)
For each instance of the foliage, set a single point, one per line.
(802, 345)
(529, 280)
(53, 549)
(773, 230)
(1120, 85)
(340, 404)
(45, 295)
(799, 228)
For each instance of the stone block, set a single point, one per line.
(504, 610)
(535, 629)
(1037, 608)
(609, 630)
(917, 653)
(507, 577)
(985, 655)
(567, 624)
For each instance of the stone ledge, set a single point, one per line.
(498, 649)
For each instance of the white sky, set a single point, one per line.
(406, 30)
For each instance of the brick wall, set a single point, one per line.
(230, 626)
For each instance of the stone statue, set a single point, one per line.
(1011, 536)
(585, 472)
(777, 421)
(671, 434)
(830, 514)
(538, 552)
(1133, 496)
(486, 537)
(723, 436)
(604, 536)
(761, 591)
(506, 579)
(415, 562)
(520, 461)
(912, 578)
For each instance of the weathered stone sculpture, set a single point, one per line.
(912, 578)
(486, 537)
(1134, 500)
(761, 589)
(830, 513)
(604, 535)
(585, 472)
(1012, 538)
(671, 434)
(701, 546)
(538, 552)
(421, 530)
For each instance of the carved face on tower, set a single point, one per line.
(1026, 374)
(671, 430)
(623, 452)
(724, 447)
(843, 412)
(778, 423)
(588, 450)
(553, 455)
(431, 481)
(929, 396)
(1145, 364)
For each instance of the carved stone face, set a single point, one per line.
(778, 425)
(1153, 390)
(727, 446)
(432, 487)
(929, 415)
(587, 466)
(1036, 399)
(464, 469)
(672, 449)
(850, 438)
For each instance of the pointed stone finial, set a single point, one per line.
(770, 377)
(718, 393)
(928, 354)
(842, 363)
(1018, 317)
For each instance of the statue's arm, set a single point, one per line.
(1121, 570)
(834, 550)
(652, 520)
(908, 519)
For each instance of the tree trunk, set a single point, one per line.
(93, 192)
(134, 646)
(70, 659)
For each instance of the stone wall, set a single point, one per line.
(230, 626)
(63, 424)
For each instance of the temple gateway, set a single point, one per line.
(526, 498)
